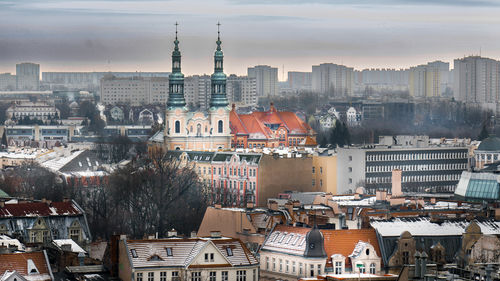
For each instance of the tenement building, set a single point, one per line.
(187, 130)
(425, 167)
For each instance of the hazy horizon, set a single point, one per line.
(137, 35)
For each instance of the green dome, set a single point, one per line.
(491, 143)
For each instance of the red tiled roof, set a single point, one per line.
(38, 209)
(343, 241)
(19, 262)
(254, 123)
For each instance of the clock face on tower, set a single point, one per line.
(311, 245)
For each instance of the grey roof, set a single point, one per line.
(491, 143)
(199, 156)
(85, 161)
(248, 157)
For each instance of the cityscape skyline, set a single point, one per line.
(137, 36)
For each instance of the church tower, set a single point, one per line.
(175, 114)
(219, 105)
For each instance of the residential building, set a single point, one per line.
(425, 167)
(134, 90)
(199, 130)
(236, 179)
(477, 80)
(32, 266)
(297, 252)
(33, 110)
(332, 79)
(271, 128)
(41, 222)
(88, 80)
(197, 91)
(324, 172)
(429, 80)
(266, 78)
(28, 76)
(300, 81)
(212, 258)
(7, 82)
(242, 90)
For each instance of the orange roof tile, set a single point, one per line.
(19, 262)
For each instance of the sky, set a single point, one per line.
(293, 35)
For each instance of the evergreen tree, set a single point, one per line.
(4, 139)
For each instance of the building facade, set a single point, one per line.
(33, 110)
(266, 78)
(425, 169)
(429, 80)
(185, 130)
(299, 81)
(7, 82)
(195, 259)
(28, 76)
(242, 90)
(134, 90)
(333, 79)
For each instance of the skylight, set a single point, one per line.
(134, 253)
(169, 252)
(229, 251)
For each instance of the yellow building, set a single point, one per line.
(324, 173)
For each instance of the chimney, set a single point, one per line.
(417, 265)
(172, 233)
(396, 183)
(81, 258)
(272, 205)
(215, 234)
(423, 264)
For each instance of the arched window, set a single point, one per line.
(198, 130)
(220, 127)
(373, 268)
(177, 127)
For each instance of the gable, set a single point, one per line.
(208, 251)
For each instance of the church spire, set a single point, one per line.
(176, 78)
(218, 79)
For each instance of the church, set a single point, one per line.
(202, 131)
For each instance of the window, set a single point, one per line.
(139, 276)
(212, 276)
(134, 253)
(313, 182)
(321, 170)
(196, 276)
(311, 270)
(274, 264)
(293, 267)
(254, 275)
(151, 276)
(220, 127)
(319, 268)
(338, 267)
(241, 275)
(287, 267)
(175, 276)
(281, 265)
(177, 127)
(211, 257)
(373, 268)
(229, 251)
(267, 263)
(300, 268)
(362, 269)
(163, 276)
(225, 276)
(313, 169)
(206, 257)
(169, 252)
(406, 257)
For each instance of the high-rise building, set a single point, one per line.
(429, 80)
(299, 81)
(477, 80)
(28, 76)
(197, 91)
(7, 82)
(133, 90)
(333, 79)
(266, 78)
(242, 90)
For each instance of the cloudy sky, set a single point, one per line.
(112, 35)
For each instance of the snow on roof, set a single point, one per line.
(424, 227)
(358, 249)
(75, 248)
(59, 162)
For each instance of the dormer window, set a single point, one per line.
(155, 258)
(134, 253)
(169, 252)
(229, 251)
(32, 267)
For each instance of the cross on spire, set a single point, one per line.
(218, 30)
(176, 24)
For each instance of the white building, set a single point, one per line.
(134, 90)
(333, 79)
(196, 259)
(429, 80)
(7, 82)
(28, 76)
(242, 90)
(33, 110)
(266, 79)
(353, 117)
